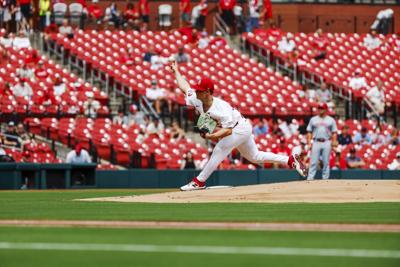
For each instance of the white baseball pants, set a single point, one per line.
(242, 139)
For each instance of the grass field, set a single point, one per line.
(38, 246)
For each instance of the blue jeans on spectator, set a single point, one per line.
(252, 23)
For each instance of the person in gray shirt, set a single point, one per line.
(322, 130)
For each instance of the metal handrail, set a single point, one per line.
(147, 107)
(220, 25)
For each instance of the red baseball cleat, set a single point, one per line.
(294, 162)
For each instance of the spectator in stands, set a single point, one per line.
(95, 12)
(155, 95)
(376, 95)
(150, 53)
(395, 165)
(66, 29)
(261, 128)
(362, 137)
(287, 44)
(25, 72)
(91, 106)
(336, 161)
(344, 138)
(188, 162)
(377, 136)
(59, 86)
(135, 116)
(120, 119)
(357, 82)
(33, 58)
(303, 93)
(254, 15)
(157, 60)
(281, 149)
(266, 11)
(23, 137)
(204, 40)
(78, 155)
(294, 127)
(225, 9)
(284, 127)
(144, 12)
(21, 41)
(44, 13)
(7, 40)
(22, 89)
(324, 95)
(320, 44)
(371, 40)
(184, 12)
(128, 58)
(394, 137)
(200, 22)
(113, 15)
(131, 17)
(176, 132)
(11, 136)
(26, 9)
(353, 161)
(181, 56)
(155, 127)
(40, 72)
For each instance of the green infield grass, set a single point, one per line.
(99, 247)
(60, 205)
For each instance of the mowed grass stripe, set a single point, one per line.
(288, 251)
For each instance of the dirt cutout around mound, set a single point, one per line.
(317, 191)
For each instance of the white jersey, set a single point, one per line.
(220, 110)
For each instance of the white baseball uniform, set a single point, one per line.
(241, 137)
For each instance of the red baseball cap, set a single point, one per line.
(204, 84)
(322, 106)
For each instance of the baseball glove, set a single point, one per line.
(205, 124)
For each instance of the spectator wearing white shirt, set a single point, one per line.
(181, 56)
(325, 96)
(157, 61)
(395, 165)
(78, 155)
(21, 41)
(25, 72)
(204, 40)
(376, 95)
(22, 89)
(59, 86)
(287, 44)
(135, 116)
(254, 18)
(155, 95)
(91, 106)
(66, 29)
(372, 41)
(357, 82)
(7, 40)
(155, 127)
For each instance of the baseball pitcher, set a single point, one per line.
(322, 131)
(231, 130)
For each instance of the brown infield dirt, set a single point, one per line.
(248, 226)
(317, 191)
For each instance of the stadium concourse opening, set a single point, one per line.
(317, 191)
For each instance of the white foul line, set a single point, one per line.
(324, 252)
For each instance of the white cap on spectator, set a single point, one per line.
(11, 123)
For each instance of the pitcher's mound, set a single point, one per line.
(328, 191)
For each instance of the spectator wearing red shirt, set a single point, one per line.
(144, 12)
(281, 149)
(5, 90)
(40, 72)
(184, 12)
(320, 44)
(226, 10)
(33, 58)
(131, 16)
(201, 20)
(95, 12)
(266, 12)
